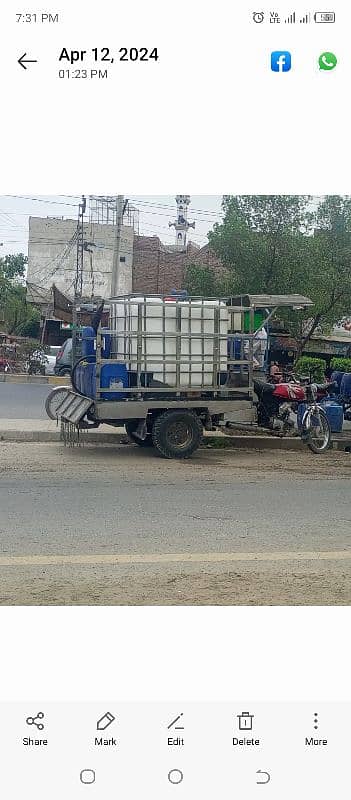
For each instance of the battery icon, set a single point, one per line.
(324, 16)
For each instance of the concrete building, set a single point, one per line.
(52, 255)
(146, 264)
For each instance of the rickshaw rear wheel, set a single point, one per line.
(177, 433)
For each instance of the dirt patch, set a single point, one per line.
(234, 588)
(44, 458)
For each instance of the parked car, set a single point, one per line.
(64, 359)
(51, 359)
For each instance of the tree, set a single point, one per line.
(330, 265)
(201, 280)
(13, 266)
(17, 316)
(278, 245)
(262, 241)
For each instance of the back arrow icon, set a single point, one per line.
(265, 775)
(23, 61)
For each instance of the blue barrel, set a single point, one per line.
(234, 352)
(88, 341)
(337, 376)
(84, 379)
(111, 376)
(300, 412)
(345, 387)
(334, 413)
(106, 343)
(91, 380)
(78, 378)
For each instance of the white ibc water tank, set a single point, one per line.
(201, 347)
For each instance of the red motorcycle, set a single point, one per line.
(279, 401)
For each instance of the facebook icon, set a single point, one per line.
(281, 61)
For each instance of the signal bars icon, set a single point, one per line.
(291, 19)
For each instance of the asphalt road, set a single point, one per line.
(118, 525)
(23, 400)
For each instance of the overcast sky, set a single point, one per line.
(156, 211)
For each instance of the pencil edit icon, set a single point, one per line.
(105, 721)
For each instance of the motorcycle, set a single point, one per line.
(279, 401)
(4, 365)
(37, 362)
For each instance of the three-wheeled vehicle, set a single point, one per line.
(168, 367)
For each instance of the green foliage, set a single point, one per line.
(13, 266)
(341, 364)
(200, 280)
(17, 316)
(278, 245)
(315, 367)
(31, 324)
(262, 241)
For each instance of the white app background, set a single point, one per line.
(211, 116)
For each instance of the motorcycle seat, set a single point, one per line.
(262, 388)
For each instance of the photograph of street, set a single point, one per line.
(175, 400)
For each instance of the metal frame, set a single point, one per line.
(134, 351)
(134, 409)
(236, 402)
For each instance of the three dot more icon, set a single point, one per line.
(315, 721)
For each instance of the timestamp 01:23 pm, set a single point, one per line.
(85, 74)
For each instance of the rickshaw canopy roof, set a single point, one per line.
(270, 300)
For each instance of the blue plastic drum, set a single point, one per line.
(345, 387)
(89, 343)
(337, 376)
(334, 413)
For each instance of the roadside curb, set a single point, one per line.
(209, 442)
(53, 380)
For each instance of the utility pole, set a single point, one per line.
(120, 207)
(78, 283)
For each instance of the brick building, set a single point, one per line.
(158, 268)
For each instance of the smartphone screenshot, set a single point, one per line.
(175, 400)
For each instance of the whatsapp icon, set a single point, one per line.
(327, 61)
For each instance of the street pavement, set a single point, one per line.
(118, 525)
(23, 400)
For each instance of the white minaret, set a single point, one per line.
(182, 225)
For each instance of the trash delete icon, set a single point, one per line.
(245, 721)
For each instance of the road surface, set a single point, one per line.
(118, 525)
(23, 400)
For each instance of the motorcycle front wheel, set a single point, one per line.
(54, 400)
(316, 431)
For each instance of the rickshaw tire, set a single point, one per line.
(162, 428)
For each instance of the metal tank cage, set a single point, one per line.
(133, 352)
